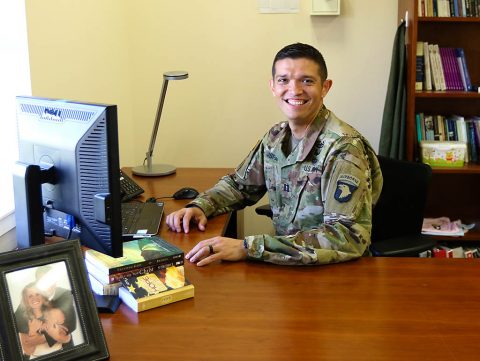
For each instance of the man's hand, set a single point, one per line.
(217, 248)
(180, 219)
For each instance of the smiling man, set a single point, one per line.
(322, 178)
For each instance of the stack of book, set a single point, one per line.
(145, 264)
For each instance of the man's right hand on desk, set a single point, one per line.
(181, 219)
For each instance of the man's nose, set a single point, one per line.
(295, 87)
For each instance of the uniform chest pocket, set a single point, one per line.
(307, 205)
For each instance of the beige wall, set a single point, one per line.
(116, 51)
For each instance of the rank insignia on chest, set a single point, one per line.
(346, 186)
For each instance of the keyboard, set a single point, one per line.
(129, 189)
(141, 219)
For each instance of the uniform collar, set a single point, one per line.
(278, 134)
(313, 132)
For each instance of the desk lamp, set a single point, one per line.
(152, 170)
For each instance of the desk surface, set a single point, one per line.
(369, 309)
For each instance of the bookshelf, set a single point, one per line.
(454, 192)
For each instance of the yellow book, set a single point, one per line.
(155, 289)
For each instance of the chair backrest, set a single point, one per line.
(399, 210)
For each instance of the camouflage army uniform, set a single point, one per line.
(321, 194)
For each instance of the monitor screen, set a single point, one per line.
(66, 180)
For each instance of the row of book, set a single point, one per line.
(451, 128)
(449, 8)
(447, 252)
(441, 68)
(150, 274)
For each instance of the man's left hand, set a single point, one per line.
(217, 248)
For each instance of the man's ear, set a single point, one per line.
(271, 86)
(327, 84)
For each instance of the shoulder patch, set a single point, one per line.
(347, 184)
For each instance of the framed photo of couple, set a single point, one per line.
(49, 312)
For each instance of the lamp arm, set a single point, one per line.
(157, 121)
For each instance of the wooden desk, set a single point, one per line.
(369, 309)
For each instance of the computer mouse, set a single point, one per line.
(185, 193)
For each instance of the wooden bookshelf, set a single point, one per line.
(454, 192)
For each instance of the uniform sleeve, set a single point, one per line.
(345, 232)
(245, 187)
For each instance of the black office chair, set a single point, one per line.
(398, 215)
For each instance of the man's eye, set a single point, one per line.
(282, 81)
(308, 81)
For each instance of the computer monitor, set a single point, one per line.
(66, 180)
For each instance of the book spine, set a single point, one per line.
(103, 289)
(421, 7)
(429, 128)
(429, 7)
(462, 73)
(455, 8)
(461, 54)
(165, 298)
(418, 122)
(427, 71)
(461, 7)
(420, 64)
(434, 67)
(116, 277)
(172, 258)
(476, 132)
(441, 71)
(472, 143)
(455, 69)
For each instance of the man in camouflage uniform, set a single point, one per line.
(321, 175)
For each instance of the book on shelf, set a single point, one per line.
(137, 253)
(442, 253)
(472, 146)
(436, 67)
(420, 65)
(440, 119)
(155, 289)
(427, 77)
(448, 8)
(421, 7)
(460, 55)
(429, 127)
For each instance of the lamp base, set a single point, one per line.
(155, 170)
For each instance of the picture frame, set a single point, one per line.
(49, 312)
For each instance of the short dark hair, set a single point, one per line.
(299, 50)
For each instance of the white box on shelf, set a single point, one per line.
(325, 7)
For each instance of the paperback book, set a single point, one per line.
(103, 289)
(155, 289)
(137, 253)
(109, 278)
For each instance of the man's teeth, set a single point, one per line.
(296, 102)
